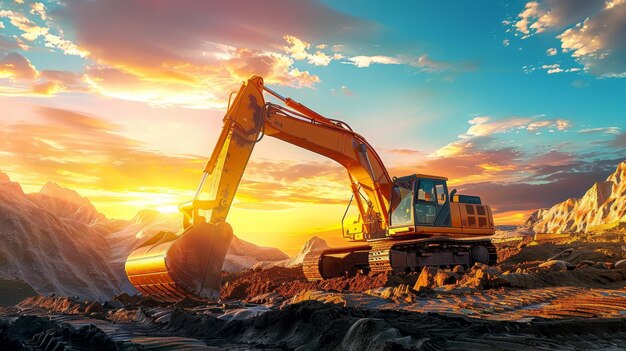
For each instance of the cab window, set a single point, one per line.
(425, 202)
(441, 194)
(402, 204)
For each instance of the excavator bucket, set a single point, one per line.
(169, 267)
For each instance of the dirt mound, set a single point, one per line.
(288, 282)
(528, 253)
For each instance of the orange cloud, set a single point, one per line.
(17, 67)
(88, 154)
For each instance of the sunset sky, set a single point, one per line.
(522, 103)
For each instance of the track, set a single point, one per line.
(381, 251)
(312, 263)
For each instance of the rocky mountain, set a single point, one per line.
(602, 207)
(66, 203)
(313, 244)
(53, 253)
(57, 242)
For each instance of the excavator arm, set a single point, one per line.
(172, 266)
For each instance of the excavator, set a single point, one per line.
(403, 224)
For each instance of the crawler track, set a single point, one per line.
(312, 263)
(380, 253)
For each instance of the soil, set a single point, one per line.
(551, 296)
(288, 282)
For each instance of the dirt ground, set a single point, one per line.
(566, 296)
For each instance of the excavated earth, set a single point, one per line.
(565, 296)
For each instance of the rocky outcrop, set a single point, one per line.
(602, 207)
(313, 244)
(50, 253)
(66, 203)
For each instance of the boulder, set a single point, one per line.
(554, 266)
(426, 279)
(113, 305)
(445, 277)
(480, 278)
(601, 265)
(458, 269)
(94, 307)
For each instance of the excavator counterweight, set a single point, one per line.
(404, 223)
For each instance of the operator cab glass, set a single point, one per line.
(402, 203)
(420, 201)
(426, 203)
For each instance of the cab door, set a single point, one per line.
(443, 204)
(432, 206)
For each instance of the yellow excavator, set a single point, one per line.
(404, 223)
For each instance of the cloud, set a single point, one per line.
(28, 81)
(86, 152)
(296, 48)
(484, 126)
(366, 61)
(591, 31)
(190, 64)
(346, 91)
(551, 51)
(16, 67)
(605, 130)
(567, 180)
(619, 141)
(540, 16)
(424, 62)
(75, 120)
(32, 31)
(38, 8)
(429, 65)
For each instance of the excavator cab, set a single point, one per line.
(420, 200)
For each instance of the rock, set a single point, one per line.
(386, 293)
(445, 277)
(483, 279)
(267, 298)
(480, 265)
(584, 263)
(426, 278)
(601, 265)
(27, 326)
(124, 298)
(113, 305)
(94, 307)
(554, 265)
(561, 254)
(458, 269)
(620, 264)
